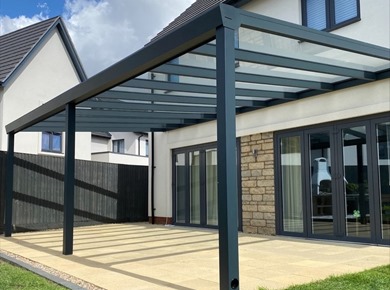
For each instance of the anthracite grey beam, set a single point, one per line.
(129, 128)
(187, 37)
(169, 86)
(9, 186)
(204, 89)
(85, 121)
(227, 168)
(278, 27)
(208, 73)
(69, 179)
(150, 106)
(133, 96)
(287, 62)
(95, 125)
(156, 98)
(141, 115)
(186, 70)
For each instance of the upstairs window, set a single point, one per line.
(329, 14)
(52, 142)
(118, 146)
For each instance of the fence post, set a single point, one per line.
(9, 183)
(69, 179)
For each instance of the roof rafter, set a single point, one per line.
(120, 100)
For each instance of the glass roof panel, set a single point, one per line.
(267, 43)
(288, 73)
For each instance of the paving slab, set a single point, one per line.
(144, 256)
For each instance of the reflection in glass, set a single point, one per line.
(345, 10)
(321, 184)
(180, 166)
(316, 14)
(356, 182)
(383, 145)
(211, 187)
(292, 184)
(194, 187)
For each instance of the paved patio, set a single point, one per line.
(143, 256)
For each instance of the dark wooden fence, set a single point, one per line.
(104, 193)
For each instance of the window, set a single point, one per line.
(195, 185)
(333, 180)
(118, 146)
(329, 14)
(52, 142)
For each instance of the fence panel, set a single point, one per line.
(104, 192)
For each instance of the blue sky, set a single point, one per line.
(29, 8)
(103, 31)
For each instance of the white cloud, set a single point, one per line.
(10, 24)
(105, 31)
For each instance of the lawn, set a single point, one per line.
(373, 279)
(13, 277)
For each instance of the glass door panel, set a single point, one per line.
(181, 181)
(356, 195)
(321, 184)
(194, 160)
(211, 187)
(291, 171)
(383, 146)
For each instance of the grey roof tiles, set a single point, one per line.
(197, 8)
(16, 45)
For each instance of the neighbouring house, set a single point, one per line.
(37, 63)
(316, 167)
(120, 147)
(40, 59)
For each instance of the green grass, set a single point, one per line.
(13, 277)
(373, 279)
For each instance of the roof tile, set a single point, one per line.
(16, 45)
(197, 8)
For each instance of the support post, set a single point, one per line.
(227, 168)
(69, 179)
(9, 183)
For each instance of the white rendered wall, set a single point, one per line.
(373, 26)
(47, 73)
(287, 10)
(359, 101)
(162, 177)
(99, 144)
(1, 117)
(119, 158)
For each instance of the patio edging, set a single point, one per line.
(40, 272)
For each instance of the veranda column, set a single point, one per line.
(70, 131)
(9, 183)
(227, 168)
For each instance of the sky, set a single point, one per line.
(103, 31)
